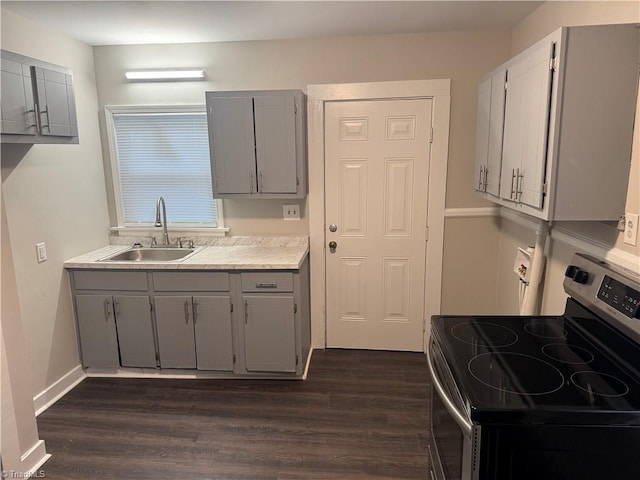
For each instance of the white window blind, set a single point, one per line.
(164, 154)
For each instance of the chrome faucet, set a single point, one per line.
(163, 223)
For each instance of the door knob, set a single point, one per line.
(332, 246)
(333, 228)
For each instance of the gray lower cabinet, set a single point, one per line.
(176, 338)
(187, 320)
(97, 331)
(195, 332)
(115, 330)
(269, 333)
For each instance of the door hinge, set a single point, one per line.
(297, 181)
(297, 360)
(505, 85)
(553, 64)
(544, 188)
(295, 308)
(231, 305)
(234, 358)
(426, 233)
(150, 305)
(431, 135)
(157, 358)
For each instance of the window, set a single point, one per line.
(162, 151)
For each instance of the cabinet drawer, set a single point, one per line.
(94, 280)
(191, 281)
(267, 282)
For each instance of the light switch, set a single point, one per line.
(41, 252)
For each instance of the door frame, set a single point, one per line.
(317, 95)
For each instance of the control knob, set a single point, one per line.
(577, 274)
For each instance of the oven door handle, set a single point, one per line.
(463, 423)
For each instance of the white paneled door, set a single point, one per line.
(377, 167)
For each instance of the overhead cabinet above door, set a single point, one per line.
(257, 142)
(38, 102)
(555, 125)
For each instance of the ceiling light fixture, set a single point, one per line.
(165, 75)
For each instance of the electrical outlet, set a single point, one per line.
(631, 228)
(41, 252)
(291, 212)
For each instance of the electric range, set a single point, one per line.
(531, 397)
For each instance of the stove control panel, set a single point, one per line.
(609, 290)
(621, 297)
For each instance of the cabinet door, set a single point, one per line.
(214, 341)
(495, 133)
(135, 331)
(174, 323)
(525, 126)
(53, 103)
(275, 127)
(482, 133)
(97, 331)
(232, 144)
(269, 333)
(18, 111)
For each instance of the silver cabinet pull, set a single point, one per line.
(480, 177)
(251, 181)
(519, 182)
(46, 112)
(267, 285)
(246, 312)
(260, 183)
(186, 310)
(107, 312)
(486, 172)
(513, 178)
(116, 308)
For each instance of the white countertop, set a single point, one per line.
(226, 257)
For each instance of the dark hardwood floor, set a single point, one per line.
(359, 415)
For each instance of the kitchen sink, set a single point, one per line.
(141, 254)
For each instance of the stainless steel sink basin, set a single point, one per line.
(151, 255)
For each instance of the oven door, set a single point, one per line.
(454, 441)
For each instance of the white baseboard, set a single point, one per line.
(58, 389)
(33, 459)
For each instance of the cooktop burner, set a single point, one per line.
(567, 353)
(598, 383)
(516, 373)
(546, 329)
(484, 334)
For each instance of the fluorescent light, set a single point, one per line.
(165, 75)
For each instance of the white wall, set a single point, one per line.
(599, 238)
(53, 194)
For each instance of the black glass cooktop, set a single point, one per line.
(542, 369)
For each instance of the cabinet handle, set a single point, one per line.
(246, 312)
(251, 181)
(513, 177)
(107, 312)
(195, 311)
(46, 112)
(486, 171)
(480, 178)
(519, 183)
(116, 305)
(186, 310)
(267, 285)
(260, 182)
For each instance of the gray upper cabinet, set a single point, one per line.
(257, 142)
(56, 103)
(557, 127)
(18, 108)
(38, 102)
